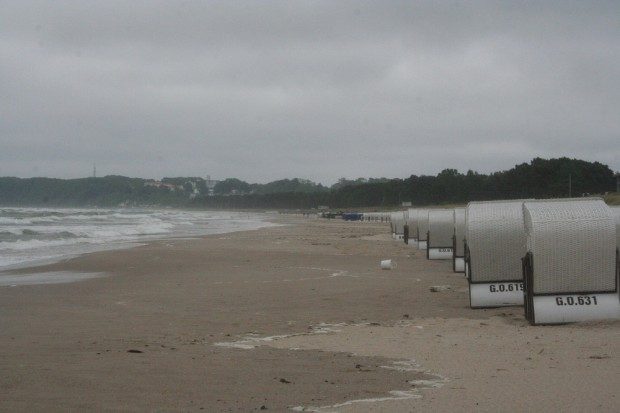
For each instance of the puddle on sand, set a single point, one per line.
(431, 380)
(56, 277)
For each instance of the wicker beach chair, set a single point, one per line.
(570, 268)
(397, 220)
(495, 245)
(412, 224)
(406, 227)
(440, 234)
(458, 241)
(422, 228)
(615, 210)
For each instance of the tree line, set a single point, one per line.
(540, 178)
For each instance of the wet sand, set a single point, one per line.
(189, 325)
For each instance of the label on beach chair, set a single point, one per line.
(496, 294)
(440, 253)
(421, 245)
(554, 309)
(459, 264)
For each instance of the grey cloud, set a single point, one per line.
(316, 89)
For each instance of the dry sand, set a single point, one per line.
(298, 316)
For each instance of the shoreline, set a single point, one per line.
(114, 245)
(288, 317)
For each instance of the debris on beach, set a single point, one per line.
(438, 288)
(135, 351)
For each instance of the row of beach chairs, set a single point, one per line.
(558, 258)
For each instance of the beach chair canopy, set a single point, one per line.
(398, 222)
(616, 212)
(422, 224)
(440, 227)
(459, 231)
(572, 244)
(496, 240)
(412, 222)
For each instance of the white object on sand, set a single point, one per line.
(387, 264)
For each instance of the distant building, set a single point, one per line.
(159, 184)
(210, 184)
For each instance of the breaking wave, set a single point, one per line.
(31, 235)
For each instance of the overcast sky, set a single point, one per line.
(263, 90)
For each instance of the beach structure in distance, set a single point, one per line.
(440, 234)
(405, 226)
(422, 228)
(495, 245)
(615, 210)
(397, 222)
(570, 267)
(376, 217)
(458, 244)
(412, 224)
(616, 213)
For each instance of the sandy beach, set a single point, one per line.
(293, 317)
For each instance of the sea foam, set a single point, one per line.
(30, 235)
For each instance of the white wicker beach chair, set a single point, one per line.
(570, 269)
(458, 244)
(422, 228)
(616, 213)
(465, 248)
(440, 234)
(397, 220)
(405, 227)
(615, 210)
(412, 225)
(495, 245)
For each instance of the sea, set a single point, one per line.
(34, 236)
